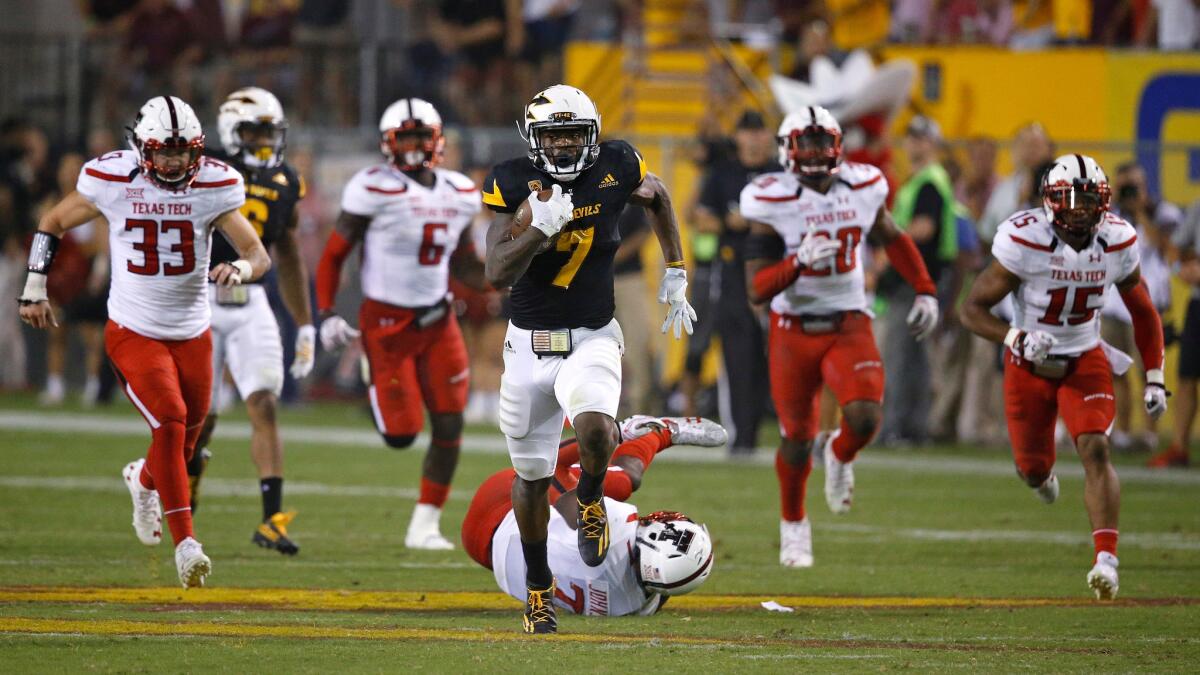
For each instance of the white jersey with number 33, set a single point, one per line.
(413, 231)
(845, 213)
(1062, 290)
(159, 242)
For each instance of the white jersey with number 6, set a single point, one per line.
(159, 242)
(413, 231)
(845, 213)
(1062, 290)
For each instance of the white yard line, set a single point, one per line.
(1147, 540)
(364, 437)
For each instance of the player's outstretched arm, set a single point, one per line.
(254, 261)
(508, 258)
(74, 210)
(989, 288)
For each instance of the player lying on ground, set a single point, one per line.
(245, 334)
(651, 557)
(162, 201)
(1059, 263)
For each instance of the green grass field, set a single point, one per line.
(946, 563)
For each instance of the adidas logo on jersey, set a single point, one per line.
(609, 181)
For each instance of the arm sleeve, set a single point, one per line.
(329, 270)
(1147, 326)
(902, 253)
(774, 279)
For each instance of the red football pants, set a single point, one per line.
(411, 365)
(170, 383)
(847, 360)
(1032, 404)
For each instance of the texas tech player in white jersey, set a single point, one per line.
(845, 213)
(1062, 290)
(159, 241)
(413, 231)
(611, 589)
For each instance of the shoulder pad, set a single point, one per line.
(458, 181)
(1116, 233)
(215, 174)
(777, 186)
(118, 166)
(379, 180)
(859, 176)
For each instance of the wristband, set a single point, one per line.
(244, 270)
(1154, 376)
(1013, 338)
(41, 253)
(35, 289)
(677, 264)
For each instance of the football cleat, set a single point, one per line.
(839, 477)
(195, 469)
(272, 534)
(539, 617)
(593, 532)
(795, 543)
(1048, 491)
(147, 509)
(1103, 577)
(194, 567)
(684, 430)
(424, 532)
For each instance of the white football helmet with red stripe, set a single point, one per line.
(810, 142)
(1076, 194)
(411, 134)
(169, 141)
(674, 555)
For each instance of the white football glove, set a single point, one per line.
(552, 215)
(1156, 394)
(1033, 347)
(336, 333)
(923, 316)
(673, 290)
(814, 249)
(306, 351)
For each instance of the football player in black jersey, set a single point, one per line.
(562, 352)
(253, 133)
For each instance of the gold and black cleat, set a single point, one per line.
(195, 469)
(593, 532)
(272, 534)
(539, 617)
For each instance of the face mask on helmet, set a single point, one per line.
(262, 143)
(673, 555)
(812, 152)
(414, 146)
(564, 150)
(172, 164)
(1078, 208)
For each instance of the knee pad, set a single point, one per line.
(515, 412)
(399, 442)
(533, 459)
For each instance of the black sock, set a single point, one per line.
(195, 465)
(537, 567)
(272, 494)
(590, 487)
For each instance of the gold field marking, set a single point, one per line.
(337, 600)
